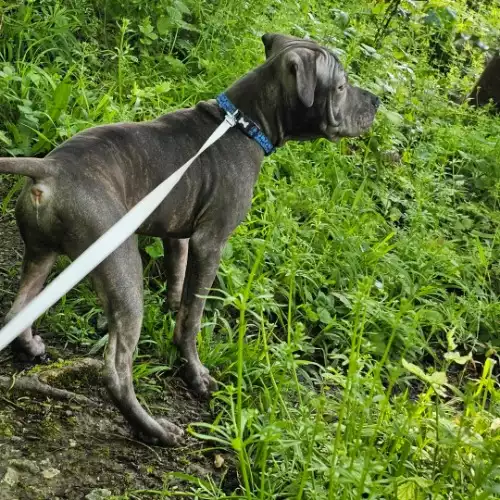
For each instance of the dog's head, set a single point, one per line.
(319, 96)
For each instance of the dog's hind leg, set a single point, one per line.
(118, 281)
(36, 268)
(175, 260)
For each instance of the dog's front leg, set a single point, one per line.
(174, 263)
(205, 249)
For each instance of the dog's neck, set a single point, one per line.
(257, 96)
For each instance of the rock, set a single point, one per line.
(218, 461)
(11, 477)
(98, 494)
(23, 464)
(50, 473)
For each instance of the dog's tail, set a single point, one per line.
(36, 168)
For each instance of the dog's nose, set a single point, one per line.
(375, 101)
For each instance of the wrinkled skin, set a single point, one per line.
(89, 182)
(337, 109)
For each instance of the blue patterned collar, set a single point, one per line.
(247, 126)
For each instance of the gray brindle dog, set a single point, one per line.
(86, 184)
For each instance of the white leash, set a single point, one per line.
(102, 247)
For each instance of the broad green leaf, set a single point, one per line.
(155, 250)
(227, 252)
(175, 64)
(174, 14)
(457, 358)
(325, 317)
(437, 378)
(61, 97)
(422, 482)
(163, 25)
(414, 369)
(393, 117)
(182, 7)
(407, 491)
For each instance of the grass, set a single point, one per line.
(354, 325)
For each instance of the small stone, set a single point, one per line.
(23, 464)
(50, 473)
(11, 477)
(98, 494)
(72, 443)
(218, 461)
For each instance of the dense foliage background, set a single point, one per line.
(355, 324)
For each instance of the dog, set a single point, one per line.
(79, 190)
(487, 88)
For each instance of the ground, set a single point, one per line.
(61, 449)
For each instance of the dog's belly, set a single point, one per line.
(160, 230)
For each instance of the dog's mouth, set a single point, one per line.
(352, 117)
(350, 126)
(364, 122)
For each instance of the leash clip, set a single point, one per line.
(232, 118)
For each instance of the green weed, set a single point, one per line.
(354, 323)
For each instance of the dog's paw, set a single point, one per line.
(168, 434)
(174, 435)
(199, 381)
(37, 347)
(32, 350)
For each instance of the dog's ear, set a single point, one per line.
(274, 42)
(302, 64)
(267, 40)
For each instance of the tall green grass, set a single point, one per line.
(354, 323)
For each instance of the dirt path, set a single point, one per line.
(51, 449)
(10, 250)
